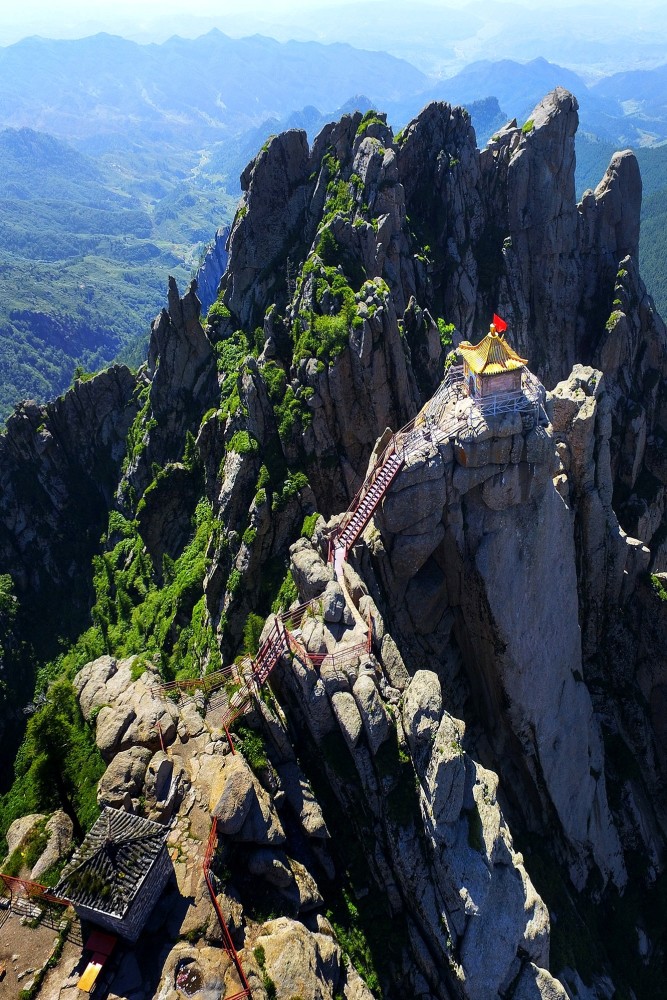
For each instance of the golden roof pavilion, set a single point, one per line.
(492, 356)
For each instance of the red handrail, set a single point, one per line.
(31, 890)
(226, 936)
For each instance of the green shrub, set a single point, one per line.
(217, 312)
(252, 748)
(29, 852)
(339, 201)
(327, 247)
(57, 766)
(231, 353)
(352, 940)
(292, 413)
(138, 668)
(287, 594)
(133, 615)
(252, 631)
(137, 435)
(263, 478)
(370, 118)
(528, 126)
(295, 481)
(326, 336)
(446, 331)
(615, 316)
(249, 536)
(243, 442)
(308, 526)
(275, 379)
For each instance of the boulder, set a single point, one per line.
(301, 963)
(128, 712)
(537, 984)
(410, 552)
(243, 809)
(311, 574)
(393, 664)
(333, 602)
(402, 510)
(59, 830)
(300, 797)
(372, 711)
(271, 865)
(166, 784)
(446, 774)
(20, 829)
(123, 780)
(348, 716)
(422, 711)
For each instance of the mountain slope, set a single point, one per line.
(208, 87)
(492, 750)
(84, 259)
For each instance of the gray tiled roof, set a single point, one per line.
(109, 867)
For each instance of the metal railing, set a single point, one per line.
(226, 936)
(14, 889)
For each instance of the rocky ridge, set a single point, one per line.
(467, 781)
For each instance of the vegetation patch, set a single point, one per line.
(217, 312)
(252, 631)
(244, 443)
(230, 355)
(253, 749)
(325, 336)
(308, 526)
(659, 588)
(446, 331)
(354, 942)
(26, 856)
(370, 118)
(294, 482)
(286, 596)
(57, 766)
(394, 765)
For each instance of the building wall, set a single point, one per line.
(506, 382)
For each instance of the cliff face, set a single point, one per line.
(60, 466)
(471, 765)
(212, 268)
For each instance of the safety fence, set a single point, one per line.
(226, 936)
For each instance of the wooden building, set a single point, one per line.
(491, 367)
(118, 873)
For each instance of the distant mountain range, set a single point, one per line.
(215, 88)
(119, 162)
(591, 37)
(207, 88)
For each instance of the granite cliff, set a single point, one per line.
(471, 804)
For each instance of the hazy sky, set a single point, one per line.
(24, 18)
(439, 36)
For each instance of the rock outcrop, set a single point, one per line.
(472, 709)
(59, 466)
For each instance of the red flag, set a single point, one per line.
(499, 324)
